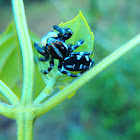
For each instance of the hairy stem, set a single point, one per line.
(27, 52)
(59, 97)
(46, 92)
(6, 110)
(24, 126)
(8, 93)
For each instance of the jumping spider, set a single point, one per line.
(54, 46)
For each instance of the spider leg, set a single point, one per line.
(42, 51)
(59, 29)
(50, 68)
(73, 47)
(70, 74)
(42, 59)
(64, 71)
(39, 49)
(68, 33)
(64, 33)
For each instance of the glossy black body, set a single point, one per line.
(56, 48)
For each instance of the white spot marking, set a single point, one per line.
(73, 48)
(81, 66)
(66, 58)
(62, 69)
(69, 66)
(69, 74)
(78, 74)
(79, 43)
(90, 64)
(81, 53)
(79, 57)
(85, 66)
(87, 58)
(65, 45)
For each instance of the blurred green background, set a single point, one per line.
(107, 107)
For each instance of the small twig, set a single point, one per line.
(8, 93)
(6, 110)
(46, 92)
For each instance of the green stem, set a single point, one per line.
(6, 110)
(24, 126)
(27, 52)
(76, 84)
(8, 93)
(46, 92)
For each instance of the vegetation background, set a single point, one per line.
(106, 108)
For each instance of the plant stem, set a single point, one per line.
(24, 126)
(6, 110)
(46, 92)
(8, 93)
(27, 52)
(76, 84)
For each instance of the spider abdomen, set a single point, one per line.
(74, 63)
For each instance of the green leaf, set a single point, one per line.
(10, 59)
(80, 30)
(39, 83)
(11, 62)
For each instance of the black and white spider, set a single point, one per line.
(54, 46)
